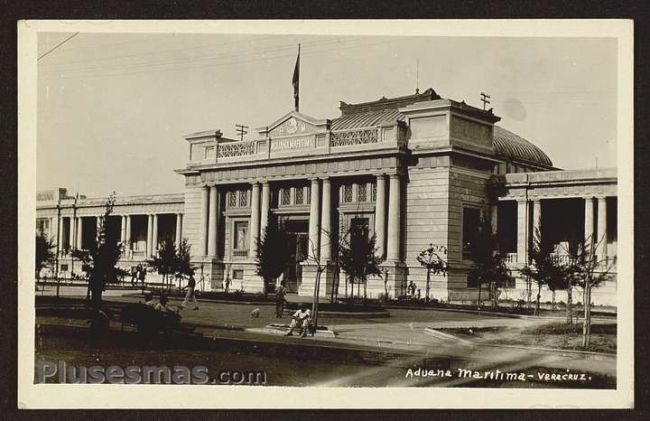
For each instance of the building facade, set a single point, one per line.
(415, 170)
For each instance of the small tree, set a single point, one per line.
(101, 259)
(44, 252)
(166, 260)
(273, 254)
(431, 259)
(489, 264)
(183, 261)
(543, 268)
(589, 269)
(357, 256)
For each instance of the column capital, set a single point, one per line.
(312, 179)
(326, 180)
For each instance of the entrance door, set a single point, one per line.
(299, 248)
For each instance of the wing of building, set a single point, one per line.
(415, 170)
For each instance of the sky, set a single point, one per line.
(113, 109)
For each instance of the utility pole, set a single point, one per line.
(241, 131)
(58, 236)
(73, 240)
(485, 99)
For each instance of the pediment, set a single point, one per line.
(294, 123)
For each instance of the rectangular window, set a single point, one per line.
(347, 193)
(285, 196)
(300, 196)
(232, 199)
(361, 192)
(241, 235)
(243, 198)
(308, 194)
(374, 192)
(471, 222)
(238, 274)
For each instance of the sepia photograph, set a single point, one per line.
(326, 214)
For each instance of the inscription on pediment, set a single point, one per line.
(292, 126)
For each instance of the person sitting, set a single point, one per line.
(149, 301)
(301, 318)
(162, 305)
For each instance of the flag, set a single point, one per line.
(295, 81)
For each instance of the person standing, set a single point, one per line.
(280, 300)
(142, 274)
(189, 295)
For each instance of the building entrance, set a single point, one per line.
(298, 233)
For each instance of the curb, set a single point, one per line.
(281, 330)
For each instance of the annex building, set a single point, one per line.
(416, 170)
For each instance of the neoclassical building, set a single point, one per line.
(415, 170)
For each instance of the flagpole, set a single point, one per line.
(295, 81)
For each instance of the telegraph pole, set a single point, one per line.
(58, 235)
(73, 240)
(241, 131)
(485, 98)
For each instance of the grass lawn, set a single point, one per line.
(551, 335)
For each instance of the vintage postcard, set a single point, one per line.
(326, 214)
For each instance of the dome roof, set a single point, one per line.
(512, 147)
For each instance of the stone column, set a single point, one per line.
(522, 231)
(313, 220)
(380, 215)
(266, 205)
(589, 219)
(602, 226)
(154, 236)
(71, 236)
(326, 222)
(123, 229)
(494, 217)
(212, 222)
(537, 217)
(80, 233)
(127, 233)
(255, 221)
(394, 220)
(149, 235)
(179, 232)
(203, 222)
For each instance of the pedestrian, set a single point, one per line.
(134, 275)
(280, 300)
(301, 318)
(142, 274)
(411, 288)
(190, 295)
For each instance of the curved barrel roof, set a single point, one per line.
(513, 147)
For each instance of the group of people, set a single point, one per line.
(162, 303)
(139, 274)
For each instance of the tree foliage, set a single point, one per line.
(489, 264)
(589, 269)
(543, 268)
(101, 258)
(273, 254)
(433, 261)
(44, 252)
(358, 255)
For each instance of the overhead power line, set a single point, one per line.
(58, 45)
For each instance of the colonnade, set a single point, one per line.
(387, 218)
(75, 231)
(595, 231)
